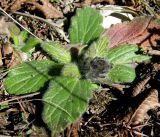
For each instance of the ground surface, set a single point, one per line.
(108, 109)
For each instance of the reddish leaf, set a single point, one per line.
(152, 35)
(142, 31)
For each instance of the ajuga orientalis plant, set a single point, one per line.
(74, 73)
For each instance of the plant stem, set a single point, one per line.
(18, 23)
(38, 18)
(19, 97)
(53, 25)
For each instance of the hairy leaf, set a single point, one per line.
(102, 47)
(99, 48)
(85, 26)
(122, 33)
(71, 70)
(13, 29)
(125, 54)
(121, 74)
(57, 52)
(30, 43)
(143, 31)
(20, 38)
(28, 77)
(65, 100)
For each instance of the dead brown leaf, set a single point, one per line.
(156, 67)
(44, 6)
(89, 2)
(27, 106)
(11, 57)
(74, 129)
(7, 52)
(144, 31)
(150, 102)
(5, 4)
(1, 62)
(17, 5)
(140, 86)
(4, 31)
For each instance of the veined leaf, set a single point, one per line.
(71, 70)
(16, 40)
(140, 58)
(24, 35)
(13, 29)
(121, 74)
(28, 77)
(125, 54)
(119, 52)
(65, 100)
(30, 43)
(86, 26)
(4, 106)
(20, 38)
(57, 52)
(99, 48)
(102, 47)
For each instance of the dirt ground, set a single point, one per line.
(113, 111)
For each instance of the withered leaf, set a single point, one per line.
(7, 52)
(1, 62)
(17, 5)
(143, 31)
(11, 57)
(45, 7)
(4, 31)
(150, 102)
(139, 87)
(88, 2)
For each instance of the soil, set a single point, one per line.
(108, 109)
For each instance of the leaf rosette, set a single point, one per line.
(72, 80)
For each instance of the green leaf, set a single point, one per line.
(102, 47)
(157, 20)
(122, 52)
(65, 100)
(13, 29)
(99, 48)
(4, 106)
(140, 58)
(122, 74)
(30, 44)
(16, 40)
(24, 35)
(71, 70)
(125, 54)
(19, 39)
(57, 52)
(55, 1)
(85, 26)
(28, 77)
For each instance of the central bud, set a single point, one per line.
(99, 67)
